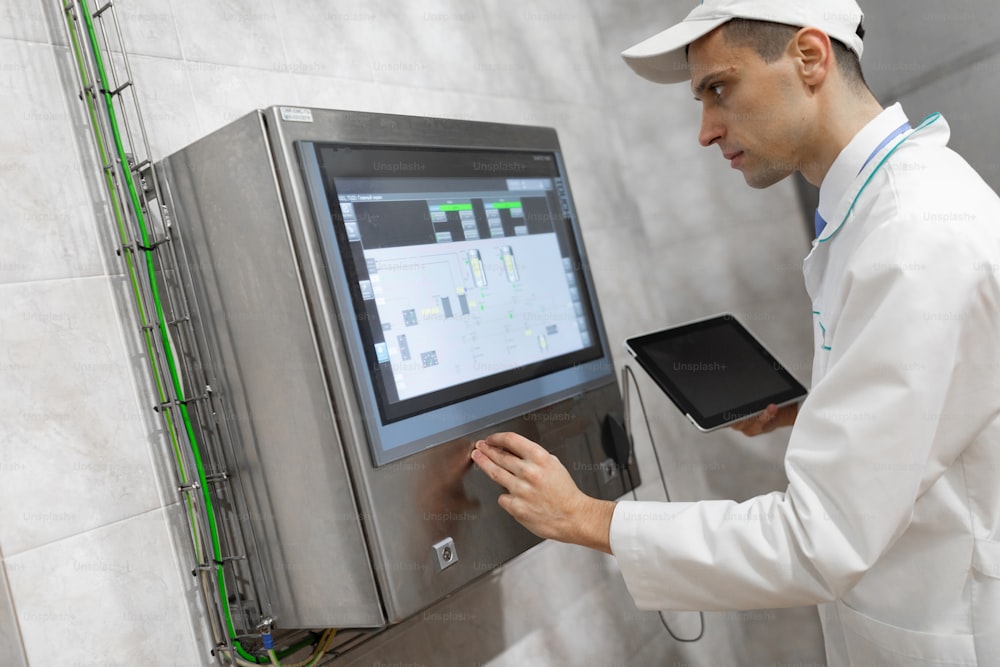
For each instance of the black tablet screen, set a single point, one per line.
(715, 370)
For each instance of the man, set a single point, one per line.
(891, 518)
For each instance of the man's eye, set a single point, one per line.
(717, 89)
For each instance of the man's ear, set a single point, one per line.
(813, 55)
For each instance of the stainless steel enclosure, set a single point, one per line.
(341, 542)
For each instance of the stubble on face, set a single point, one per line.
(752, 116)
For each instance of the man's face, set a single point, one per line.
(753, 110)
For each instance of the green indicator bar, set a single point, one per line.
(455, 207)
(506, 204)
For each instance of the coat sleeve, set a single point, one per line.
(866, 444)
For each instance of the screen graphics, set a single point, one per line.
(463, 275)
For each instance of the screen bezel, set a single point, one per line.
(396, 439)
(640, 346)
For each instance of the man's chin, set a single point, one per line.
(760, 180)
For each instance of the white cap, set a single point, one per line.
(662, 58)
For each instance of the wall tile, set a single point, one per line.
(148, 29)
(227, 32)
(11, 650)
(590, 610)
(602, 604)
(325, 93)
(630, 627)
(75, 447)
(24, 20)
(48, 229)
(619, 28)
(330, 39)
(474, 627)
(412, 101)
(112, 596)
(905, 42)
(536, 650)
(544, 51)
(53, 21)
(722, 271)
(561, 573)
(657, 651)
(165, 96)
(433, 44)
(683, 190)
(223, 93)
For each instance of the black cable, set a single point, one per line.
(627, 373)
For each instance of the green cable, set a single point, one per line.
(165, 340)
(133, 277)
(171, 363)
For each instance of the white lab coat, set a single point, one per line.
(891, 518)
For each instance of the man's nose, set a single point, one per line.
(711, 129)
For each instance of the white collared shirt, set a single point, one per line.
(891, 517)
(853, 158)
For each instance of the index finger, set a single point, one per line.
(493, 470)
(517, 445)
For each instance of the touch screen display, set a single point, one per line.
(463, 270)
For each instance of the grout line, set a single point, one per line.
(115, 522)
(98, 276)
(10, 603)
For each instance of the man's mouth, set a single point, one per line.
(735, 159)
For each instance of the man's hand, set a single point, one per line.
(773, 417)
(541, 495)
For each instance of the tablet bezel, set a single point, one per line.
(637, 346)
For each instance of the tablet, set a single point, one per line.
(715, 371)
